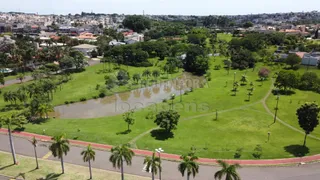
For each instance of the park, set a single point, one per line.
(206, 94)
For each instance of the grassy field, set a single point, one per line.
(288, 104)
(220, 138)
(51, 170)
(225, 37)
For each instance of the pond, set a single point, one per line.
(134, 99)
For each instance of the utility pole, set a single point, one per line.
(276, 110)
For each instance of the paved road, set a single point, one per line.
(170, 172)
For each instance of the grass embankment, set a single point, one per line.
(52, 170)
(83, 84)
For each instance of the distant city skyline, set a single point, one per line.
(160, 7)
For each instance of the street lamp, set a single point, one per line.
(172, 98)
(181, 86)
(276, 109)
(269, 136)
(159, 151)
(234, 77)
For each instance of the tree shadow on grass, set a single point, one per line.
(7, 166)
(39, 120)
(297, 150)
(19, 129)
(51, 176)
(283, 92)
(161, 134)
(123, 132)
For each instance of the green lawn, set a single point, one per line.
(225, 37)
(52, 170)
(235, 129)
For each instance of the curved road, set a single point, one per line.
(170, 172)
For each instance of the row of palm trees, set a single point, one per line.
(119, 155)
(122, 154)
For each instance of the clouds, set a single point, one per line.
(194, 7)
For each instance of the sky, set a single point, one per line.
(160, 7)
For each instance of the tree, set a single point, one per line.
(264, 72)
(293, 60)
(308, 116)
(196, 61)
(230, 171)
(242, 59)
(119, 155)
(34, 143)
(78, 59)
(308, 81)
(59, 146)
(128, 118)
(156, 73)
(88, 155)
(123, 77)
(287, 79)
(199, 39)
(9, 120)
(44, 109)
(247, 24)
(20, 77)
(137, 23)
(2, 81)
(146, 73)
(167, 120)
(244, 79)
(153, 164)
(110, 81)
(136, 77)
(188, 164)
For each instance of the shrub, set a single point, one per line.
(66, 102)
(217, 67)
(238, 153)
(97, 86)
(164, 100)
(83, 99)
(102, 95)
(95, 97)
(257, 152)
(71, 102)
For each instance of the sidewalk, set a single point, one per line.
(174, 157)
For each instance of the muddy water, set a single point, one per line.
(135, 99)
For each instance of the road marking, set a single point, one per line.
(47, 155)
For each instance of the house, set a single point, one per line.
(130, 41)
(116, 43)
(86, 36)
(86, 49)
(310, 59)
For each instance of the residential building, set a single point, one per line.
(86, 49)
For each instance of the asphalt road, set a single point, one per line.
(170, 172)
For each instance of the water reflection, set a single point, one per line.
(121, 102)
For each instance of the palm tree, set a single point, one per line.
(153, 164)
(120, 154)
(45, 109)
(146, 73)
(188, 164)
(59, 147)
(88, 155)
(14, 119)
(34, 143)
(156, 74)
(227, 170)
